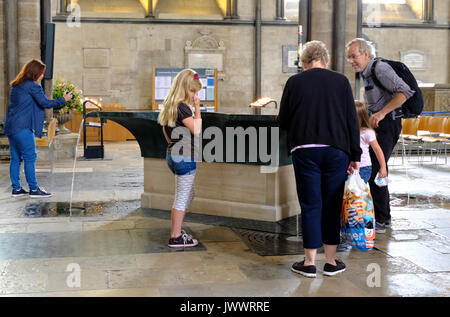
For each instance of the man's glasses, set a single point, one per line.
(354, 56)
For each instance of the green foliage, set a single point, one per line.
(76, 104)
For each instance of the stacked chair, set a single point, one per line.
(434, 142)
(424, 135)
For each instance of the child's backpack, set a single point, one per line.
(414, 105)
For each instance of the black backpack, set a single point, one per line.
(414, 105)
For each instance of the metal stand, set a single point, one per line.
(93, 151)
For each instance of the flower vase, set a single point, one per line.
(63, 118)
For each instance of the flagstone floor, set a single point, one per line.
(120, 249)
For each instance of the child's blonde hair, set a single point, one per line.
(184, 82)
(363, 115)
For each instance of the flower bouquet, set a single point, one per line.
(76, 104)
(65, 113)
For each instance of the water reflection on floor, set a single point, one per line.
(415, 201)
(264, 238)
(55, 209)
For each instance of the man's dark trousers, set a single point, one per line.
(388, 132)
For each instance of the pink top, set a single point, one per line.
(365, 137)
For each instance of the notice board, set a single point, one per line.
(162, 81)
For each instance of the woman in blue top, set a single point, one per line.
(24, 121)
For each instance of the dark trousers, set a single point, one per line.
(388, 133)
(320, 174)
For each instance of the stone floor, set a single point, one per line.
(120, 249)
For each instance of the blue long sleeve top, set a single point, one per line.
(26, 108)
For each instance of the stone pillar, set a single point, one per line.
(63, 6)
(258, 54)
(234, 14)
(12, 45)
(280, 15)
(150, 13)
(322, 28)
(304, 19)
(47, 84)
(228, 14)
(338, 52)
(428, 11)
(3, 85)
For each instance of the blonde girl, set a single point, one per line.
(368, 139)
(180, 125)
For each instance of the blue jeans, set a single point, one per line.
(320, 174)
(365, 173)
(22, 147)
(181, 165)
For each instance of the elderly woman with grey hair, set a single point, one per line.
(318, 112)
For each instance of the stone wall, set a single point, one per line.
(29, 37)
(435, 43)
(29, 31)
(130, 51)
(133, 50)
(2, 63)
(436, 98)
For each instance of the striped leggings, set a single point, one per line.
(184, 191)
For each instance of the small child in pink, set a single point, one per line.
(368, 138)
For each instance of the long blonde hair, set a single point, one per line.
(184, 82)
(363, 115)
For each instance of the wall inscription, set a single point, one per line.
(205, 52)
(205, 60)
(414, 59)
(96, 58)
(96, 82)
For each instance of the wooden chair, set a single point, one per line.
(410, 127)
(446, 137)
(424, 124)
(434, 143)
(48, 142)
(446, 133)
(409, 140)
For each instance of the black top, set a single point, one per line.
(317, 107)
(183, 138)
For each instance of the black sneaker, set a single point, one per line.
(184, 240)
(305, 270)
(18, 193)
(39, 193)
(331, 270)
(380, 227)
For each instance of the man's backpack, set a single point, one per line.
(414, 105)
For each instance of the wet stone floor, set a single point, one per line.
(121, 249)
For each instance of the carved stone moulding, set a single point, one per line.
(205, 52)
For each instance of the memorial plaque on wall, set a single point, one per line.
(205, 52)
(414, 59)
(290, 56)
(96, 82)
(96, 57)
(196, 60)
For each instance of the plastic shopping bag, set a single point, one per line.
(357, 216)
